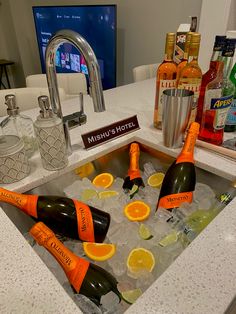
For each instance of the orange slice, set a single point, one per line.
(99, 251)
(137, 211)
(140, 259)
(104, 180)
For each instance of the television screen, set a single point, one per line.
(96, 23)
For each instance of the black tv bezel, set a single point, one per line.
(86, 5)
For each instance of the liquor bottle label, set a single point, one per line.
(192, 85)
(164, 84)
(85, 222)
(231, 116)
(27, 203)
(174, 200)
(221, 107)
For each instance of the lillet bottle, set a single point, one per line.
(166, 78)
(65, 216)
(85, 278)
(180, 179)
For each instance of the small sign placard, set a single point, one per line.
(109, 132)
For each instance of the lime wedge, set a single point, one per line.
(133, 191)
(88, 194)
(145, 232)
(169, 239)
(131, 296)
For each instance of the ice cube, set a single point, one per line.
(202, 191)
(117, 263)
(145, 279)
(86, 305)
(117, 184)
(109, 302)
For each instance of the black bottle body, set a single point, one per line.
(59, 213)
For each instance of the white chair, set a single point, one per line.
(144, 72)
(72, 83)
(26, 97)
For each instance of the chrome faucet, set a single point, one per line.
(95, 88)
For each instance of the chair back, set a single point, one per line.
(26, 97)
(72, 83)
(144, 72)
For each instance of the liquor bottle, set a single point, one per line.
(19, 125)
(210, 75)
(166, 78)
(191, 75)
(65, 216)
(230, 124)
(85, 278)
(218, 98)
(180, 179)
(184, 61)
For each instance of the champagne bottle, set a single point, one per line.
(180, 179)
(65, 216)
(85, 277)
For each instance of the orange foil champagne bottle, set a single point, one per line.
(166, 78)
(180, 179)
(65, 216)
(134, 176)
(191, 75)
(85, 278)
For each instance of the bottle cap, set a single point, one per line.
(44, 105)
(10, 102)
(194, 127)
(195, 38)
(170, 37)
(41, 233)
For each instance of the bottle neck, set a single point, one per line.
(216, 55)
(27, 203)
(74, 267)
(186, 154)
(227, 66)
(169, 51)
(193, 53)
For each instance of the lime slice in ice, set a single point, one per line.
(145, 232)
(88, 194)
(169, 239)
(131, 296)
(133, 191)
(106, 194)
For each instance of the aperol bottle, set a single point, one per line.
(166, 78)
(210, 75)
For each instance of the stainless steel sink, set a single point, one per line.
(117, 163)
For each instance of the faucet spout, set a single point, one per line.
(95, 88)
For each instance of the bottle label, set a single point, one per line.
(221, 107)
(85, 222)
(231, 116)
(164, 84)
(175, 200)
(192, 85)
(27, 203)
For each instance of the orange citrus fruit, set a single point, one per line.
(140, 259)
(99, 251)
(104, 180)
(137, 211)
(156, 179)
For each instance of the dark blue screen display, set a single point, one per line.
(97, 24)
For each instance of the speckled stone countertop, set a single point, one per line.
(201, 280)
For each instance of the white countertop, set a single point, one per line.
(207, 284)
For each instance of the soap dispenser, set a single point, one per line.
(19, 125)
(50, 137)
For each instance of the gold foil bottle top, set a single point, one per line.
(170, 37)
(195, 38)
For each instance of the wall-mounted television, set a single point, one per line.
(96, 23)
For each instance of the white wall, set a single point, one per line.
(142, 26)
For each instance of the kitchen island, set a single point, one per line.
(202, 278)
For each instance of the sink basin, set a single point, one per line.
(117, 163)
